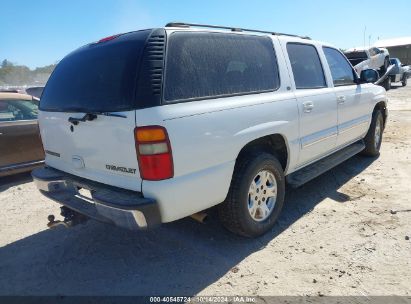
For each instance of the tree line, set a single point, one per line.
(20, 75)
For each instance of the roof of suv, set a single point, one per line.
(197, 26)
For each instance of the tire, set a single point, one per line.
(236, 211)
(386, 64)
(387, 84)
(371, 140)
(404, 80)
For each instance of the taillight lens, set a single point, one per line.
(154, 153)
(108, 38)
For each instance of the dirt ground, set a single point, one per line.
(336, 236)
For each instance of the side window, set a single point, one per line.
(206, 65)
(306, 65)
(372, 52)
(341, 70)
(13, 110)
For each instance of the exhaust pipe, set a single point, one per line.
(200, 217)
(53, 224)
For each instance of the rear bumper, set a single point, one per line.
(124, 208)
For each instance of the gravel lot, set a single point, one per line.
(336, 236)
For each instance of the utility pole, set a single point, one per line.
(365, 29)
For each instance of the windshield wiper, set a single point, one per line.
(93, 115)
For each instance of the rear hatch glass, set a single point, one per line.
(97, 77)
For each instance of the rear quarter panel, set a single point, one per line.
(206, 137)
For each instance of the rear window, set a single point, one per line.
(356, 55)
(97, 77)
(208, 65)
(306, 66)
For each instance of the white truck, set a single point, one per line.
(155, 125)
(363, 58)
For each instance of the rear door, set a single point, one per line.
(316, 102)
(87, 116)
(353, 99)
(19, 134)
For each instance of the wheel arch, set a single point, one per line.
(275, 144)
(382, 106)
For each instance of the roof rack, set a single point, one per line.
(233, 29)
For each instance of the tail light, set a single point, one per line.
(108, 38)
(154, 153)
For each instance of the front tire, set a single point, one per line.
(256, 195)
(373, 138)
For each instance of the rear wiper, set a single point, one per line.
(88, 117)
(109, 114)
(93, 115)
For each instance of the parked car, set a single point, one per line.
(21, 148)
(400, 72)
(368, 58)
(210, 117)
(35, 91)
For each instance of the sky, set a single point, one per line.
(41, 32)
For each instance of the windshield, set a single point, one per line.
(98, 77)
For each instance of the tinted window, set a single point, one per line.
(13, 110)
(356, 55)
(341, 70)
(97, 77)
(206, 65)
(306, 65)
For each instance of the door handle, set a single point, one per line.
(308, 106)
(341, 99)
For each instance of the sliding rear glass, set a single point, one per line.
(99, 77)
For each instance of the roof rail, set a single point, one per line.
(233, 29)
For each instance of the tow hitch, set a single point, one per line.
(71, 218)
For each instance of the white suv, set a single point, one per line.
(155, 125)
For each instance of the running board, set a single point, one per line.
(300, 177)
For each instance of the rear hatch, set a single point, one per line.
(87, 111)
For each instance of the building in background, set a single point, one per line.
(398, 47)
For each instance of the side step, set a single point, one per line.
(310, 172)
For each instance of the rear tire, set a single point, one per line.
(386, 64)
(404, 80)
(256, 195)
(387, 84)
(373, 138)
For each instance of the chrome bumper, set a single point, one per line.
(124, 208)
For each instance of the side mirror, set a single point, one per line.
(369, 75)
